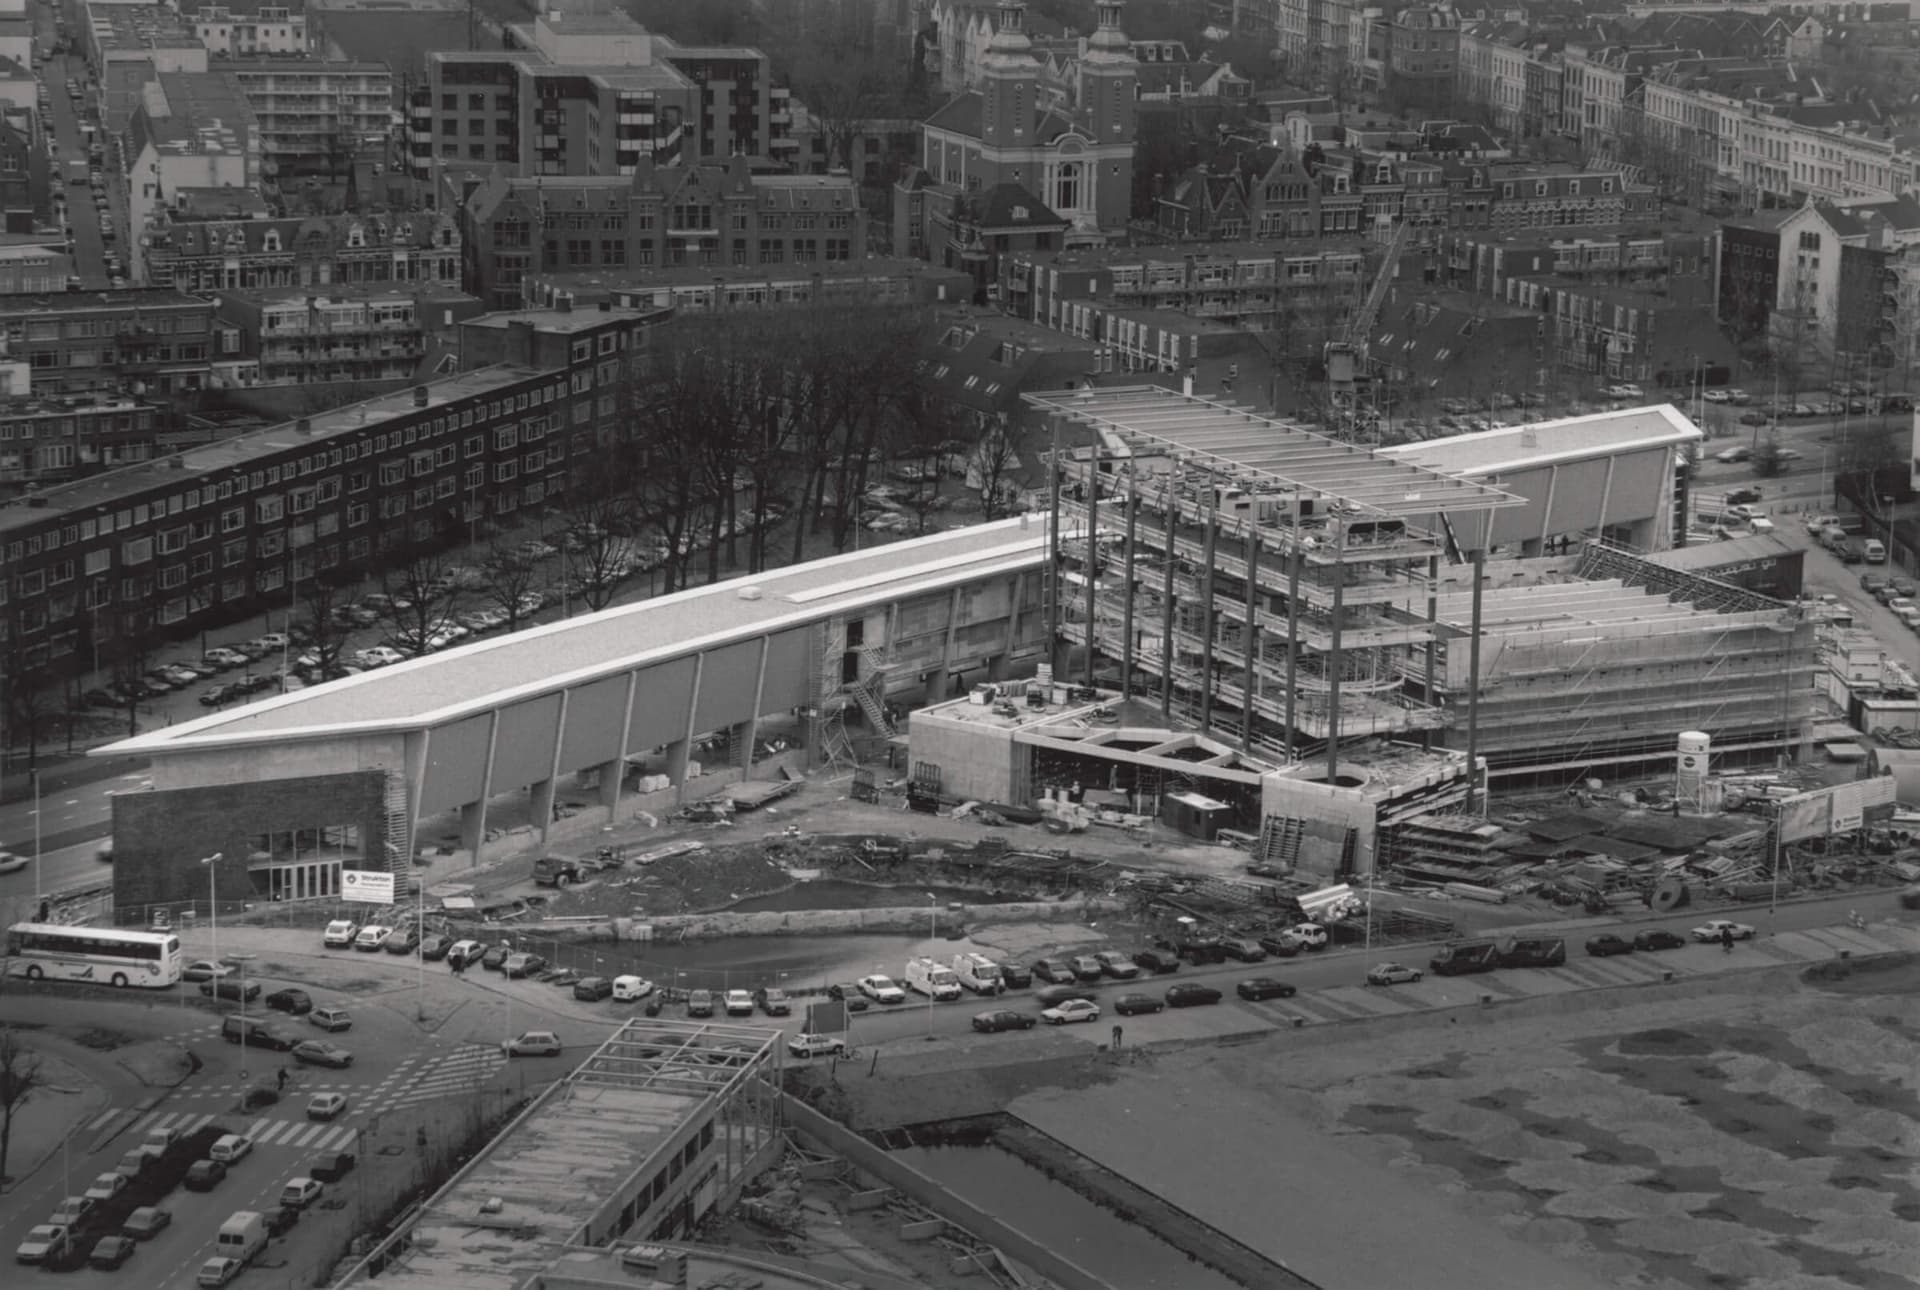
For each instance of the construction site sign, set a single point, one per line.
(1839, 809)
(367, 886)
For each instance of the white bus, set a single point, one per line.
(104, 955)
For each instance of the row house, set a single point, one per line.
(1647, 256)
(1558, 197)
(1624, 334)
(668, 217)
(297, 336)
(314, 250)
(1246, 284)
(247, 28)
(1270, 192)
(128, 341)
(1516, 76)
(51, 440)
(701, 288)
(1599, 90)
(132, 557)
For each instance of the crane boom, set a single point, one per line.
(1346, 357)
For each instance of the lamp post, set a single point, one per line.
(39, 887)
(242, 960)
(933, 933)
(212, 863)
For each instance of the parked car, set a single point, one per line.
(534, 1043)
(402, 940)
(522, 964)
(1054, 971)
(1608, 943)
(848, 992)
(1116, 965)
(1312, 935)
(331, 1167)
(739, 1003)
(1158, 962)
(105, 1187)
(301, 1192)
(1130, 1005)
(296, 1003)
(1392, 974)
(881, 989)
(815, 1045)
(1243, 949)
(146, 1222)
(1190, 994)
(1071, 1010)
(773, 1001)
(496, 956)
(990, 1023)
(592, 989)
(1715, 929)
(435, 947)
(208, 969)
(317, 1052)
(1258, 988)
(699, 1003)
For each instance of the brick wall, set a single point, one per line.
(160, 836)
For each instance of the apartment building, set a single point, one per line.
(1531, 196)
(1517, 76)
(316, 250)
(133, 557)
(314, 116)
(666, 217)
(306, 336)
(25, 183)
(28, 267)
(128, 47)
(1258, 287)
(1624, 333)
(192, 130)
(1679, 260)
(594, 93)
(691, 288)
(1422, 57)
(135, 340)
(50, 440)
(248, 28)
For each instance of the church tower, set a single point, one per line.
(1107, 81)
(1009, 83)
(1108, 93)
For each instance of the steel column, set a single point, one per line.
(1126, 611)
(1205, 577)
(1251, 642)
(1333, 654)
(1293, 638)
(1473, 689)
(1093, 529)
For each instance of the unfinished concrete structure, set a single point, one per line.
(1286, 592)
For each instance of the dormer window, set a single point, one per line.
(356, 237)
(270, 241)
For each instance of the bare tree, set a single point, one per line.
(513, 584)
(324, 622)
(994, 464)
(30, 698)
(843, 89)
(601, 507)
(422, 599)
(20, 1077)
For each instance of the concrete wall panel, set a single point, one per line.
(1642, 484)
(660, 705)
(595, 713)
(788, 684)
(523, 748)
(729, 678)
(292, 757)
(456, 765)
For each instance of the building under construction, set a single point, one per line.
(1292, 594)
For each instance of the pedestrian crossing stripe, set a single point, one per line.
(312, 1135)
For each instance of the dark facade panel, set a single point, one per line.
(595, 714)
(729, 680)
(660, 705)
(523, 748)
(158, 835)
(456, 766)
(788, 684)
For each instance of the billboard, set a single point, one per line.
(367, 886)
(1840, 809)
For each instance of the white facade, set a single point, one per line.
(268, 30)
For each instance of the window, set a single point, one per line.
(356, 513)
(268, 510)
(234, 552)
(505, 437)
(505, 471)
(137, 551)
(393, 472)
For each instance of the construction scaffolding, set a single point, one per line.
(1256, 575)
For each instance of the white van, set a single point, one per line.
(242, 1236)
(977, 972)
(1875, 551)
(629, 988)
(926, 976)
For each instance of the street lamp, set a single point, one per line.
(212, 863)
(39, 887)
(242, 960)
(933, 933)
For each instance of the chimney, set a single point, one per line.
(419, 396)
(303, 427)
(606, 306)
(564, 304)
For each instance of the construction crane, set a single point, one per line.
(1346, 358)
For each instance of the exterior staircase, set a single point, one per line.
(399, 824)
(1279, 843)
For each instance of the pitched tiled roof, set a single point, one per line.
(961, 114)
(1011, 206)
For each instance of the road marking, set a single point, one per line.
(258, 1125)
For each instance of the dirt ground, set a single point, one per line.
(1765, 1137)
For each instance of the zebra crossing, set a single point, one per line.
(297, 1135)
(419, 1078)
